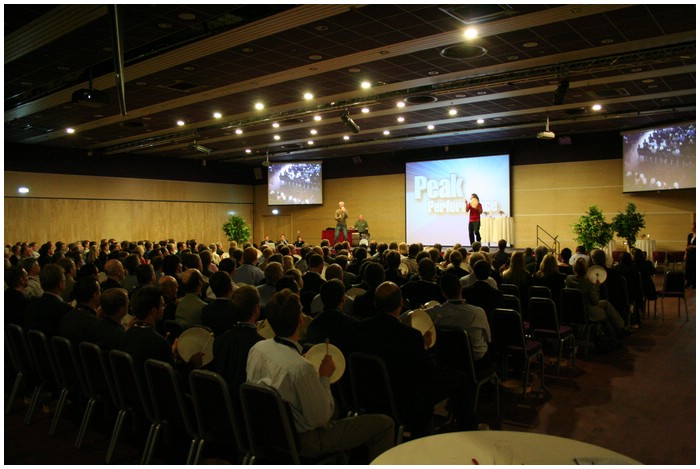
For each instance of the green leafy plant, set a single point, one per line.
(592, 231)
(237, 229)
(627, 225)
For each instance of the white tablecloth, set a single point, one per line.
(494, 229)
(479, 447)
(646, 245)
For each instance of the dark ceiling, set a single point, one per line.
(529, 63)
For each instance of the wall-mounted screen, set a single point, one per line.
(659, 159)
(295, 183)
(436, 192)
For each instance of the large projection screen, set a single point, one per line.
(436, 192)
(659, 159)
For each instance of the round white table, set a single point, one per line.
(493, 229)
(480, 447)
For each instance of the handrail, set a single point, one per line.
(555, 244)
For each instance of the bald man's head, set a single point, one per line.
(388, 298)
(168, 285)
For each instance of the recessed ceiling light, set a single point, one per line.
(400, 119)
(313, 132)
(401, 104)
(354, 70)
(365, 85)
(648, 80)
(317, 118)
(452, 112)
(346, 137)
(217, 115)
(431, 127)
(321, 27)
(186, 16)
(471, 33)
(636, 69)
(275, 125)
(248, 150)
(433, 73)
(70, 130)
(165, 25)
(596, 107)
(276, 137)
(308, 96)
(23, 190)
(481, 93)
(180, 123)
(531, 44)
(386, 132)
(310, 142)
(480, 121)
(607, 41)
(189, 68)
(259, 106)
(512, 57)
(315, 57)
(365, 110)
(239, 131)
(248, 50)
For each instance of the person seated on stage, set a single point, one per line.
(265, 240)
(279, 364)
(549, 276)
(481, 293)
(419, 292)
(598, 310)
(299, 242)
(283, 240)
(455, 312)
(362, 226)
(416, 382)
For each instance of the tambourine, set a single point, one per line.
(596, 273)
(195, 340)
(316, 354)
(473, 202)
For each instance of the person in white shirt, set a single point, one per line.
(580, 253)
(278, 363)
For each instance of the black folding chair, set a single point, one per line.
(170, 408)
(453, 351)
(43, 366)
(16, 345)
(574, 313)
(70, 376)
(216, 417)
(508, 339)
(544, 324)
(100, 386)
(673, 287)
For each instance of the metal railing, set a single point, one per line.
(550, 242)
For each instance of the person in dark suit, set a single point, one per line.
(77, 324)
(219, 315)
(45, 313)
(416, 383)
(363, 305)
(689, 258)
(312, 277)
(15, 301)
(481, 293)
(392, 272)
(231, 348)
(108, 332)
(332, 324)
(419, 292)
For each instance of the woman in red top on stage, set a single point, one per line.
(474, 209)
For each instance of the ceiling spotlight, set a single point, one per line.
(200, 148)
(350, 124)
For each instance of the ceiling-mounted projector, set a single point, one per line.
(546, 134)
(347, 120)
(90, 97)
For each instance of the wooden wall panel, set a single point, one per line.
(550, 195)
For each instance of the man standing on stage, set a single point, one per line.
(341, 222)
(474, 209)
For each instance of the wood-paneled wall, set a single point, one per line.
(70, 208)
(553, 196)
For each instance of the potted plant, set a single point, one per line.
(627, 225)
(592, 231)
(237, 229)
